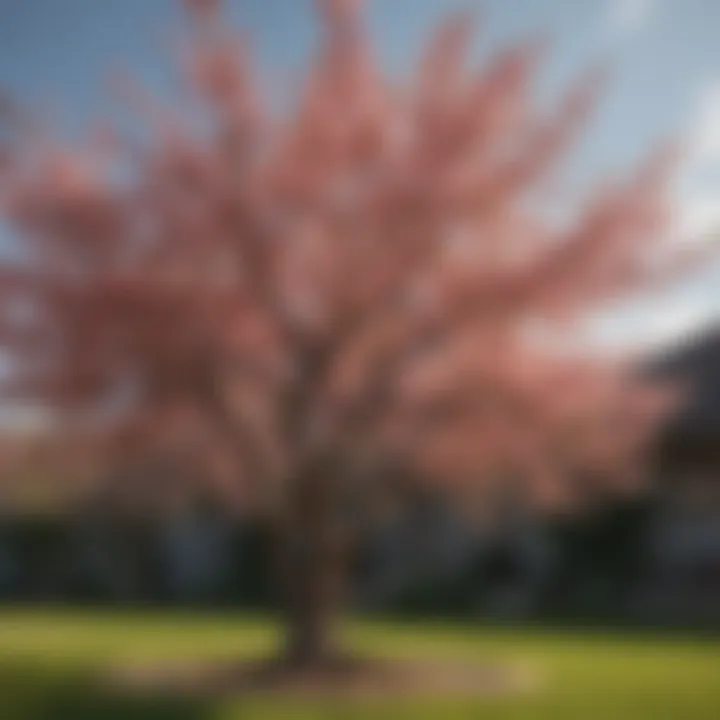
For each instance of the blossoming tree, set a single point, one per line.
(372, 278)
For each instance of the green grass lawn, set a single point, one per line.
(48, 659)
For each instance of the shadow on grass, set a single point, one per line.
(32, 692)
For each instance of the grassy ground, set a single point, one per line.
(48, 659)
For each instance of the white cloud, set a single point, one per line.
(669, 318)
(626, 17)
(706, 128)
(657, 323)
(670, 322)
(697, 303)
(699, 187)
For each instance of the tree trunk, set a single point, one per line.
(312, 554)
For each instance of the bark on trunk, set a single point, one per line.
(312, 554)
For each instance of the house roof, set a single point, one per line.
(696, 365)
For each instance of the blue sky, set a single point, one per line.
(663, 55)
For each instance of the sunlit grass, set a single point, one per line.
(48, 659)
